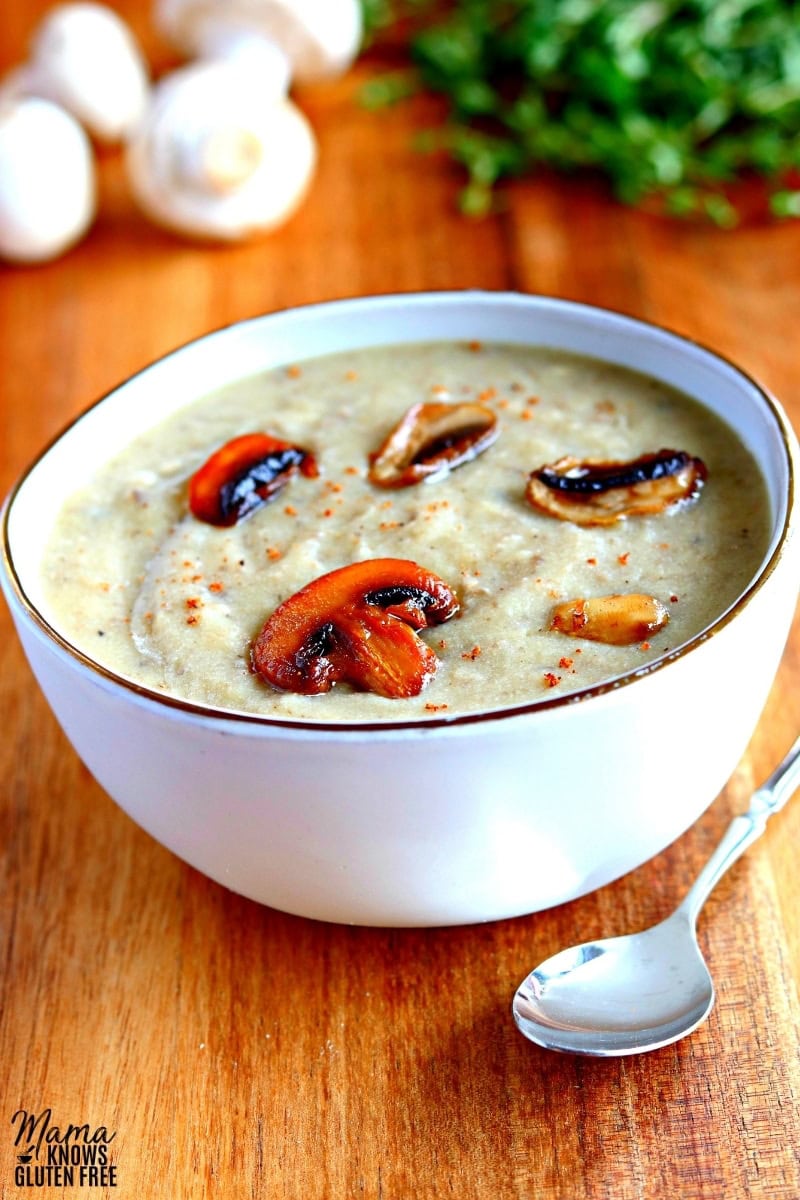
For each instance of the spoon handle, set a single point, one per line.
(781, 784)
(745, 829)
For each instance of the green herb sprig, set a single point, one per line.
(674, 100)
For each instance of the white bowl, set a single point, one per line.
(447, 821)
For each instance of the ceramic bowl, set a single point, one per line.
(447, 821)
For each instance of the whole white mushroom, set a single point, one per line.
(84, 58)
(220, 154)
(318, 39)
(47, 180)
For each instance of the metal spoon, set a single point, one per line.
(623, 995)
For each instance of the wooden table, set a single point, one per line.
(238, 1052)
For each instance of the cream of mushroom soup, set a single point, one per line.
(136, 581)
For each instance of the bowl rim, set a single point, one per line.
(236, 717)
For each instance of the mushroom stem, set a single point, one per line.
(223, 160)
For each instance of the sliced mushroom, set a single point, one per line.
(600, 493)
(430, 441)
(356, 625)
(244, 474)
(619, 620)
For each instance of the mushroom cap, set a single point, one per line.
(84, 58)
(319, 37)
(47, 180)
(218, 155)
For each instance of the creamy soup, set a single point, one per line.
(142, 586)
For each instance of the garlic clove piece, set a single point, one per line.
(217, 156)
(47, 181)
(320, 38)
(84, 58)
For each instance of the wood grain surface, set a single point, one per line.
(238, 1052)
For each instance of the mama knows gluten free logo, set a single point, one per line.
(49, 1155)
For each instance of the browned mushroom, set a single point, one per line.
(431, 440)
(620, 620)
(600, 493)
(245, 473)
(356, 625)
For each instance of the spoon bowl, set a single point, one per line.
(620, 995)
(624, 995)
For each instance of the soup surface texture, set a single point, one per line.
(134, 580)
